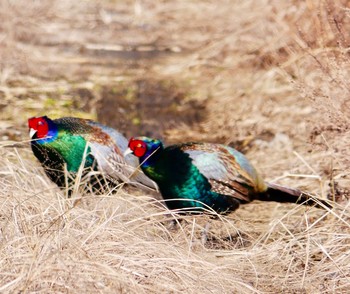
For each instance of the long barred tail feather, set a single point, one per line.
(283, 194)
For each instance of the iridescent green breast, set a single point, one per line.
(182, 185)
(72, 148)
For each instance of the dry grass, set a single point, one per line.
(273, 77)
(121, 242)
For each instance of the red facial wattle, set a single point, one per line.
(39, 125)
(138, 147)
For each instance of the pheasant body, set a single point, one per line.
(199, 176)
(66, 145)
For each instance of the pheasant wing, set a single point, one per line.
(227, 170)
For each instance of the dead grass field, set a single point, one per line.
(268, 77)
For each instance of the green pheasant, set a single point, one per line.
(203, 176)
(69, 148)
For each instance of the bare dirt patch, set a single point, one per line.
(149, 107)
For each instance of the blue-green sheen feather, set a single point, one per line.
(181, 183)
(74, 143)
(197, 176)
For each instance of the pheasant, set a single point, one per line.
(69, 148)
(198, 177)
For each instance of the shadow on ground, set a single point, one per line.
(148, 107)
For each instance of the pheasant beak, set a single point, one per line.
(127, 152)
(32, 132)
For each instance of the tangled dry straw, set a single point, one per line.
(273, 77)
(126, 243)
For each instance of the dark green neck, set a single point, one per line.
(153, 166)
